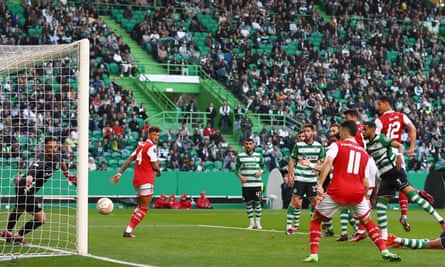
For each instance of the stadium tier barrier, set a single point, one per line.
(222, 187)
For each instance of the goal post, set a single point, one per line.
(44, 92)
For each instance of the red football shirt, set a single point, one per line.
(350, 167)
(359, 135)
(391, 124)
(144, 155)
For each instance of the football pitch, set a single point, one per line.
(219, 238)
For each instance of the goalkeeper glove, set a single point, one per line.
(71, 178)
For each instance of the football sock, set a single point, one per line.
(314, 236)
(290, 216)
(327, 225)
(344, 217)
(403, 202)
(414, 197)
(258, 210)
(354, 223)
(249, 209)
(382, 218)
(12, 220)
(375, 235)
(412, 243)
(136, 218)
(29, 226)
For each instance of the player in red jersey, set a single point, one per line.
(203, 202)
(392, 123)
(350, 165)
(161, 202)
(353, 114)
(146, 167)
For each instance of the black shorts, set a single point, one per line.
(442, 240)
(393, 181)
(305, 189)
(252, 193)
(30, 204)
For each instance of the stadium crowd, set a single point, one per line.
(278, 57)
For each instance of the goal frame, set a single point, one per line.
(13, 59)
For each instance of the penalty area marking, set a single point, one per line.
(118, 261)
(245, 229)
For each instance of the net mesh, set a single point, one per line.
(38, 98)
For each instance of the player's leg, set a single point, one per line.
(12, 221)
(325, 209)
(415, 198)
(294, 208)
(362, 213)
(249, 199)
(258, 208)
(438, 243)
(388, 188)
(144, 194)
(344, 217)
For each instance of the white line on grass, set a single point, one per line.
(245, 229)
(118, 261)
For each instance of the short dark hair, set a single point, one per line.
(248, 140)
(49, 139)
(155, 129)
(385, 98)
(310, 126)
(352, 112)
(350, 125)
(370, 124)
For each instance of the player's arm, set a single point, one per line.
(72, 179)
(156, 167)
(401, 150)
(237, 173)
(325, 169)
(290, 171)
(412, 131)
(122, 169)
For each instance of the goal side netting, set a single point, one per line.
(44, 93)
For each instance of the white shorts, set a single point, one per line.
(373, 176)
(327, 207)
(144, 190)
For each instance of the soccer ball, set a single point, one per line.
(104, 205)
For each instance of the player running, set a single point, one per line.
(392, 174)
(349, 163)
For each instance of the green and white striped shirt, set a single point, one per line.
(381, 150)
(312, 152)
(247, 166)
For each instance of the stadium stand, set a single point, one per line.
(309, 62)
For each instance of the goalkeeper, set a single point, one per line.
(42, 169)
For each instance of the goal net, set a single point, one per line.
(44, 93)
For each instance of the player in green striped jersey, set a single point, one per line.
(249, 168)
(303, 178)
(392, 174)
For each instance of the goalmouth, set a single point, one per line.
(44, 91)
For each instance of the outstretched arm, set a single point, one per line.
(122, 169)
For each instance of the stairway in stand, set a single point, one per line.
(141, 57)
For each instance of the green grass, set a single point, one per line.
(185, 238)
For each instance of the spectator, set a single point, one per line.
(185, 202)
(173, 203)
(91, 164)
(203, 202)
(224, 112)
(246, 128)
(211, 114)
(161, 202)
(102, 166)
